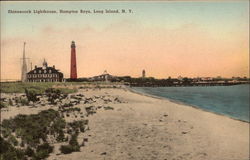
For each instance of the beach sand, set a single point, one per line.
(146, 128)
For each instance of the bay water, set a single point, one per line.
(232, 101)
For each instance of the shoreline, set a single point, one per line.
(185, 104)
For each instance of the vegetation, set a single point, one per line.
(26, 136)
(19, 87)
(90, 110)
(32, 128)
(8, 152)
(32, 94)
(78, 125)
(67, 149)
(13, 140)
(29, 152)
(2, 105)
(21, 100)
(72, 147)
(181, 81)
(71, 109)
(53, 94)
(108, 108)
(67, 90)
(67, 105)
(42, 151)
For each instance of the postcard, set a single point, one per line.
(125, 80)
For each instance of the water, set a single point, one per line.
(232, 101)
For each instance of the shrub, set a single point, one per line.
(72, 147)
(2, 105)
(32, 94)
(6, 132)
(58, 125)
(78, 125)
(24, 102)
(67, 105)
(29, 152)
(8, 152)
(45, 147)
(53, 94)
(73, 141)
(32, 128)
(108, 108)
(71, 109)
(43, 151)
(10, 102)
(12, 140)
(60, 137)
(67, 149)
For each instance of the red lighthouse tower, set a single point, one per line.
(73, 71)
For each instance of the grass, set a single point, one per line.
(19, 87)
(67, 90)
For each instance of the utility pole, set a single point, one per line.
(24, 65)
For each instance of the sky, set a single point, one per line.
(166, 38)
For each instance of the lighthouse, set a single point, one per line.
(73, 70)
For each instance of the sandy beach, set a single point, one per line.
(142, 127)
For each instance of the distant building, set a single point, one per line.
(103, 77)
(206, 78)
(44, 74)
(143, 73)
(180, 78)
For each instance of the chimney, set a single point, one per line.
(54, 66)
(35, 66)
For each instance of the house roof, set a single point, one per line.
(40, 70)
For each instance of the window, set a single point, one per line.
(34, 71)
(45, 71)
(40, 71)
(50, 71)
